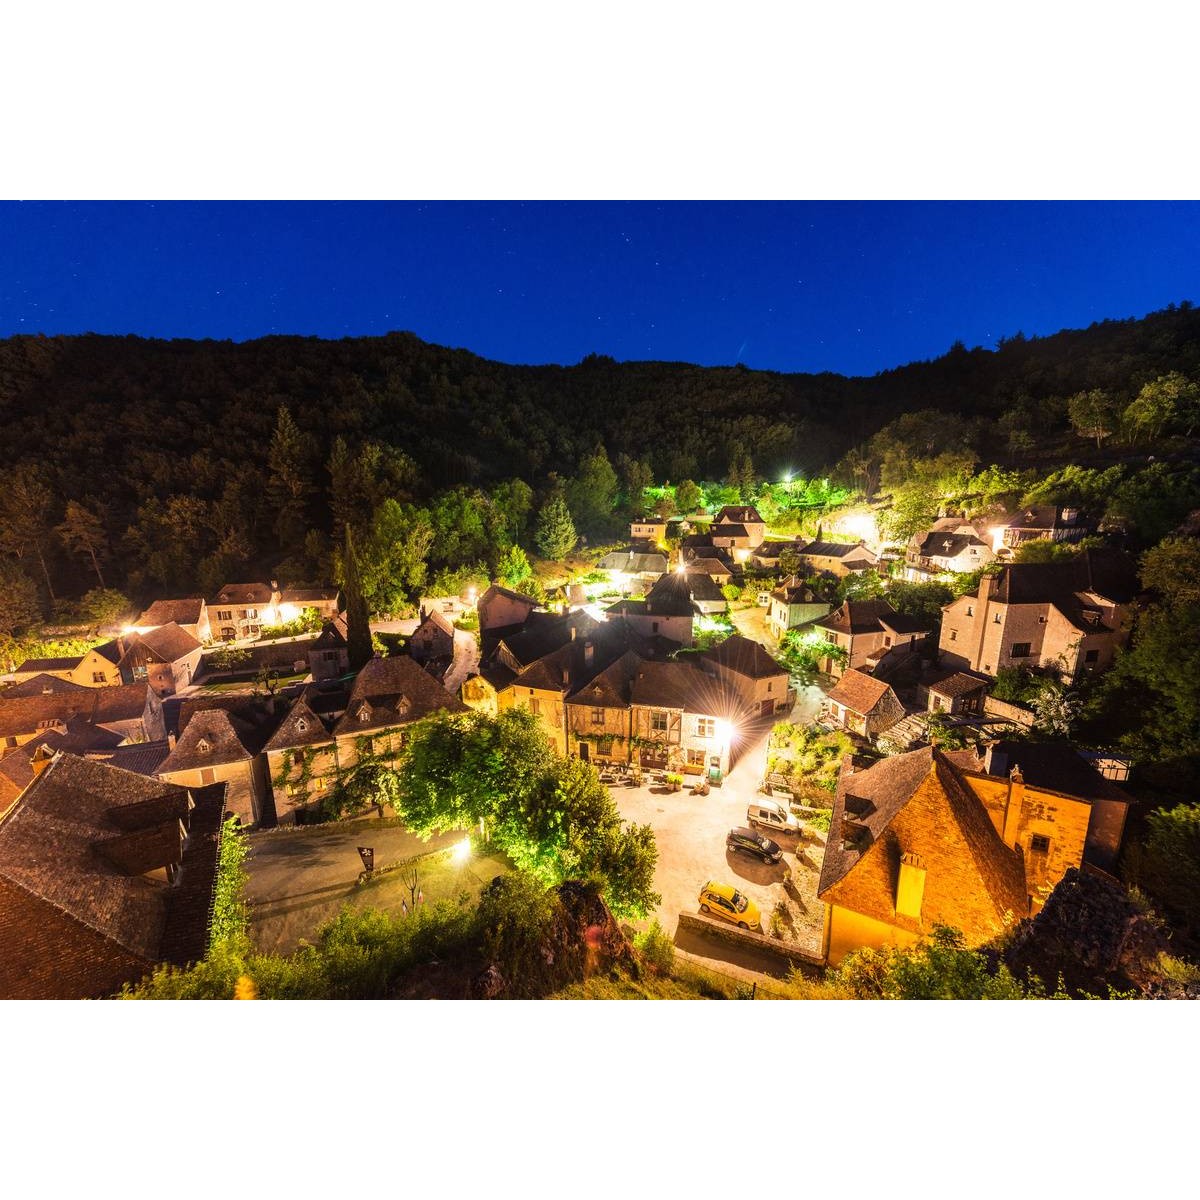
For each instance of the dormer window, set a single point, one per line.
(203, 745)
(364, 712)
(302, 726)
(404, 705)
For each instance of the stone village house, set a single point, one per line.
(929, 838)
(1064, 616)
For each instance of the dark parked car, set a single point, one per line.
(749, 841)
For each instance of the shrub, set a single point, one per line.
(656, 948)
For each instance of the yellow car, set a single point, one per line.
(721, 900)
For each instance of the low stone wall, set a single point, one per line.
(787, 952)
(1008, 712)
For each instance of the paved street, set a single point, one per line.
(690, 831)
(298, 879)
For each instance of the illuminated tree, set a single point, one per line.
(83, 532)
(513, 568)
(25, 504)
(688, 497)
(1094, 414)
(289, 460)
(555, 536)
(19, 608)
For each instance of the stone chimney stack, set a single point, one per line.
(1013, 805)
(170, 741)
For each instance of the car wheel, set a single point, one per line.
(743, 925)
(705, 908)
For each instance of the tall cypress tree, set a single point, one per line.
(358, 623)
(555, 535)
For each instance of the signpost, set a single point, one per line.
(367, 854)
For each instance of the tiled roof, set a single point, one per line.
(859, 692)
(833, 549)
(706, 566)
(40, 685)
(49, 844)
(959, 683)
(949, 545)
(243, 593)
(746, 657)
(703, 589)
(307, 595)
(210, 739)
(1105, 572)
(68, 663)
(168, 642)
(1036, 516)
(301, 727)
(539, 637)
(395, 691)
(671, 596)
(612, 687)
(679, 685)
(918, 803)
(99, 705)
(738, 514)
(332, 635)
(728, 531)
(857, 616)
(905, 624)
(183, 612)
(433, 617)
(142, 758)
(1055, 766)
(77, 917)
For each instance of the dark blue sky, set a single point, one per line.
(810, 286)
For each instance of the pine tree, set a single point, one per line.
(358, 622)
(83, 531)
(288, 482)
(556, 536)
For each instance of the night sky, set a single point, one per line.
(849, 287)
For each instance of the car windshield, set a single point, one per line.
(739, 901)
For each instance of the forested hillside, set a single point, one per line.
(184, 471)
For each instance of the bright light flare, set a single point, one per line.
(724, 732)
(461, 851)
(996, 533)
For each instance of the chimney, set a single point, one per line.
(589, 653)
(910, 886)
(566, 677)
(1013, 805)
(170, 741)
(994, 761)
(574, 631)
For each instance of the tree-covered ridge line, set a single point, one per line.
(180, 453)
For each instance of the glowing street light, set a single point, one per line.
(461, 851)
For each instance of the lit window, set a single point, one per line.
(98, 677)
(597, 716)
(695, 758)
(658, 721)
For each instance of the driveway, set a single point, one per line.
(690, 832)
(299, 878)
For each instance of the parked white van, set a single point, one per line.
(770, 814)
